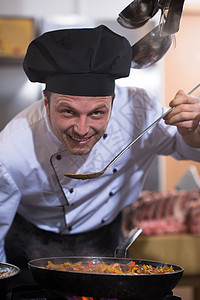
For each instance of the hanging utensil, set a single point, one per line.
(97, 174)
(172, 23)
(137, 13)
(150, 49)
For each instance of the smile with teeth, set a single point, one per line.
(80, 140)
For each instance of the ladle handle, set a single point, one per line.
(138, 137)
(143, 132)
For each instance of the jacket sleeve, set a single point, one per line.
(9, 200)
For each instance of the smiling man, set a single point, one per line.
(83, 121)
(78, 121)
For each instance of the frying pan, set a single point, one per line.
(11, 272)
(105, 285)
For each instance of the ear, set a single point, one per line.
(46, 104)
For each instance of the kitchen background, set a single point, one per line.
(180, 68)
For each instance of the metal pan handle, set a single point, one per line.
(122, 248)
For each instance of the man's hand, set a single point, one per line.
(186, 116)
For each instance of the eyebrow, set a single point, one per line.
(64, 104)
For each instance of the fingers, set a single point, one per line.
(186, 112)
(182, 98)
(187, 120)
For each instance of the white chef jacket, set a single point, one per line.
(33, 163)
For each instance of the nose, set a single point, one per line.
(81, 127)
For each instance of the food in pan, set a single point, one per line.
(5, 273)
(131, 268)
(2, 274)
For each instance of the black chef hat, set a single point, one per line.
(82, 62)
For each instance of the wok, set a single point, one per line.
(105, 285)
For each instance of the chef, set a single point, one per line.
(82, 122)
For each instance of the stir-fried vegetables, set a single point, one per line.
(131, 268)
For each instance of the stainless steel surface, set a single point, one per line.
(137, 13)
(172, 23)
(97, 174)
(150, 49)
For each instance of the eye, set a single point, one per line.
(68, 112)
(98, 112)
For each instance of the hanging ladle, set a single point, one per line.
(97, 174)
(150, 49)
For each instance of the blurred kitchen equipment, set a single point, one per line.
(153, 46)
(150, 49)
(97, 174)
(172, 23)
(138, 12)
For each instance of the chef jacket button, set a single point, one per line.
(105, 136)
(102, 221)
(71, 190)
(69, 228)
(114, 170)
(111, 194)
(58, 157)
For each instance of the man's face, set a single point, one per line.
(78, 121)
